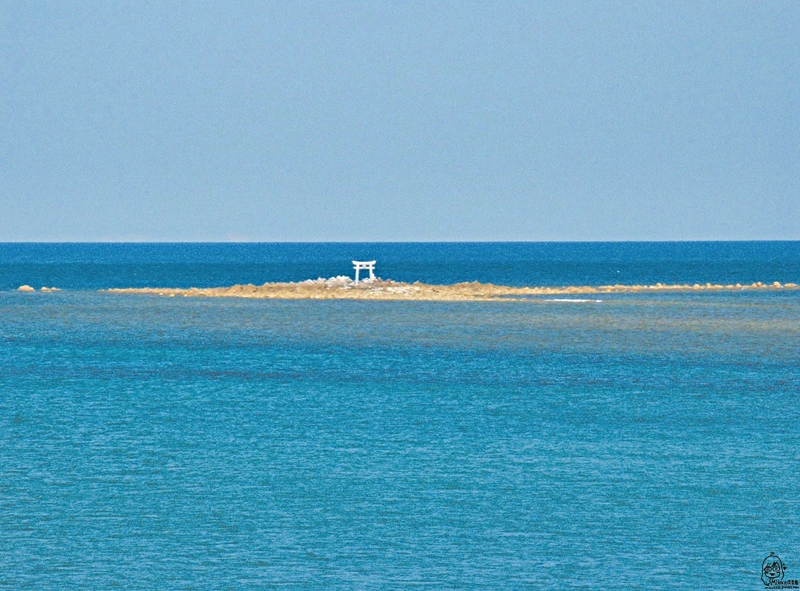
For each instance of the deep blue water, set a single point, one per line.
(641, 442)
(99, 266)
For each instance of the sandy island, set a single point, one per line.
(343, 288)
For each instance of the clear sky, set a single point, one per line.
(393, 121)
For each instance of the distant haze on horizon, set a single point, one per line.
(443, 121)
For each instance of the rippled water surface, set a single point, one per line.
(641, 442)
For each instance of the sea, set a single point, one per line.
(635, 441)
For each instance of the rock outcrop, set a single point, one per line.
(343, 288)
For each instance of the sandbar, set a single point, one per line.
(343, 288)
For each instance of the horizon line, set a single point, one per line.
(685, 241)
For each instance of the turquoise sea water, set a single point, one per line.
(640, 442)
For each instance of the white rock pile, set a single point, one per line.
(340, 282)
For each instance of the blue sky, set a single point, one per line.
(377, 121)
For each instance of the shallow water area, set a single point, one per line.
(177, 443)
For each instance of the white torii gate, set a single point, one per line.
(368, 265)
